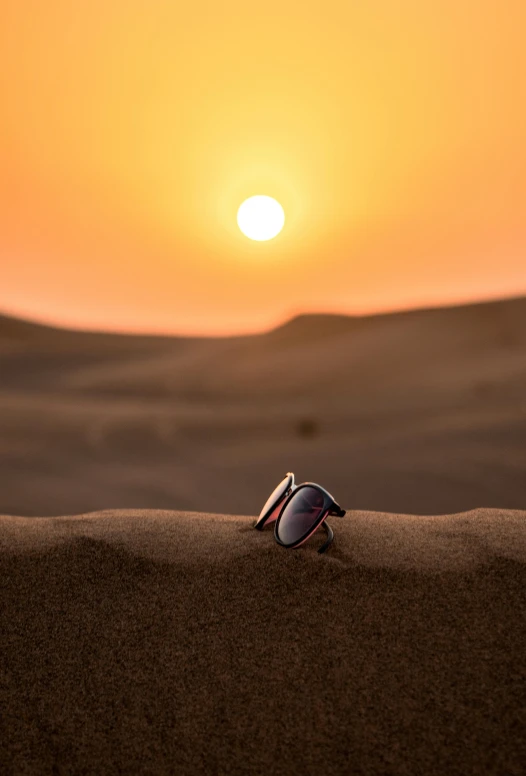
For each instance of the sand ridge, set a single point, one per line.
(439, 542)
(185, 643)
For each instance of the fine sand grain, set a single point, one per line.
(175, 642)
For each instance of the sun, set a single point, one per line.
(260, 217)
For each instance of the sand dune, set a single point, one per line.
(171, 642)
(422, 412)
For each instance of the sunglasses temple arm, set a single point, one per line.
(330, 535)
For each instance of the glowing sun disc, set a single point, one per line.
(260, 217)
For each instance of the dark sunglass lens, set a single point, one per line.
(301, 513)
(276, 495)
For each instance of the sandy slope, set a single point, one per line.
(171, 642)
(421, 412)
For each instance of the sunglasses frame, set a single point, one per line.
(331, 507)
(264, 519)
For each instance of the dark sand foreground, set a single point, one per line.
(172, 642)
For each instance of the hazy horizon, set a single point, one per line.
(74, 325)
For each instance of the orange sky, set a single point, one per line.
(393, 132)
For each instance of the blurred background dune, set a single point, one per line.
(420, 412)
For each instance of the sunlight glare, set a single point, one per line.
(260, 217)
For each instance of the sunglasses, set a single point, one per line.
(299, 510)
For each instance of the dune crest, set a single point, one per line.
(372, 539)
(137, 641)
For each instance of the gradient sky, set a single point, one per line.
(393, 132)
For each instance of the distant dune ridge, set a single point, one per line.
(421, 411)
(187, 643)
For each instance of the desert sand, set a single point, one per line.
(139, 639)
(420, 412)
(184, 643)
